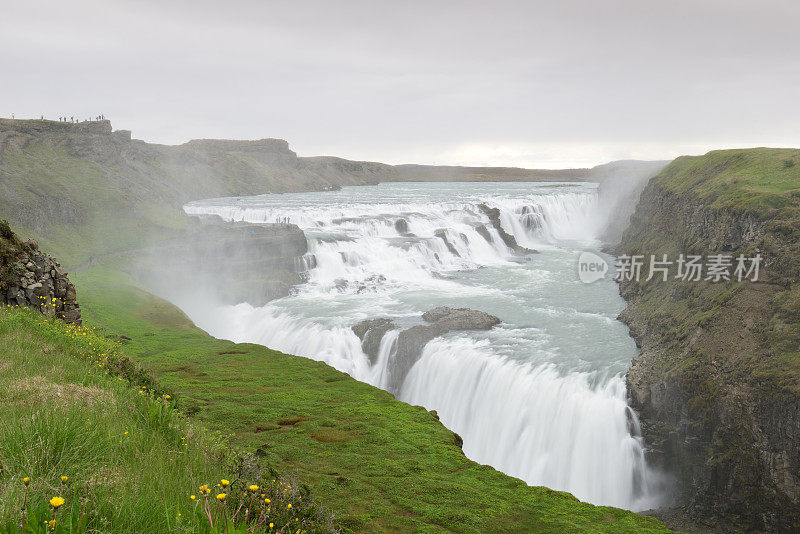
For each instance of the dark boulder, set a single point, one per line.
(446, 318)
(483, 232)
(401, 225)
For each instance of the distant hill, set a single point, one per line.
(84, 189)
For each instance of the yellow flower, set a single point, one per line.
(267, 501)
(26, 481)
(221, 496)
(271, 525)
(193, 497)
(225, 483)
(288, 506)
(55, 502)
(126, 433)
(52, 523)
(253, 488)
(64, 479)
(167, 397)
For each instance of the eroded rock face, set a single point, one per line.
(441, 233)
(33, 279)
(411, 341)
(401, 225)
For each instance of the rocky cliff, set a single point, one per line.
(717, 383)
(33, 279)
(226, 263)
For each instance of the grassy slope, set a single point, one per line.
(62, 415)
(748, 179)
(387, 465)
(103, 214)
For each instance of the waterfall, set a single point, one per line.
(533, 423)
(555, 417)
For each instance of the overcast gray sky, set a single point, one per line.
(539, 84)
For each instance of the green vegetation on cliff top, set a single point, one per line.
(745, 179)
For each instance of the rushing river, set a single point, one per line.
(541, 396)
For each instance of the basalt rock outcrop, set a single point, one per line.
(30, 278)
(717, 383)
(441, 233)
(411, 341)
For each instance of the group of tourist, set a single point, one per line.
(73, 119)
(70, 119)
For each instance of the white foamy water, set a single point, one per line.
(541, 396)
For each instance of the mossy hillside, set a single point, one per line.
(75, 407)
(750, 180)
(82, 191)
(76, 207)
(384, 465)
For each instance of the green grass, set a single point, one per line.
(73, 408)
(384, 465)
(751, 180)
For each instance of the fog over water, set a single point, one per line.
(541, 396)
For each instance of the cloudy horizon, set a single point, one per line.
(535, 84)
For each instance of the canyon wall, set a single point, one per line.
(717, 383)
